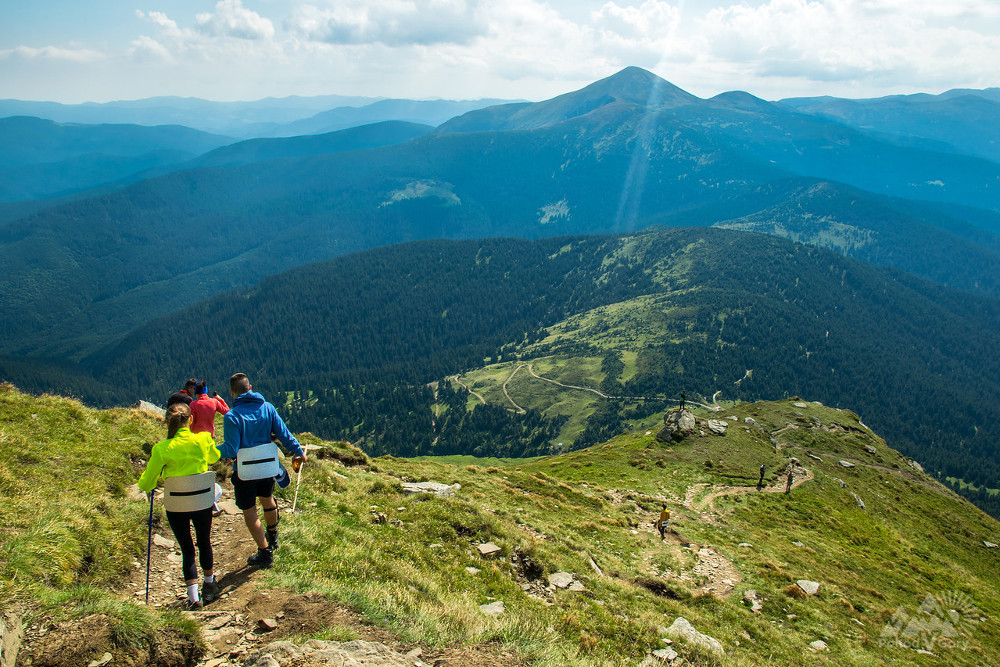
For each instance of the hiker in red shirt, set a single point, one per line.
(204, 407)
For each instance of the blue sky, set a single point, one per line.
(72, 51)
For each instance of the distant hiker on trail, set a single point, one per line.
(204, 407)
(182, 460)
(248, 429)
(663, 522)
(760, 482)
(683, 400)
(185, 395)
(791, 478)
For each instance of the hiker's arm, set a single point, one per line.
(285, 436)
(147, 482)
(230, 438)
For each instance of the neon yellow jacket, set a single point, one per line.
(186, 453)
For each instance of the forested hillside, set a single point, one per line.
(622, 154)
(356, 340)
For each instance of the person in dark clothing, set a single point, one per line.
(253, 422)
(185, 395)
(683, 400)
(791, 479)
(760, 482)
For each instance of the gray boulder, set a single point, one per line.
(718, 426)
(808, 587)
(683, 629)
(437, 488)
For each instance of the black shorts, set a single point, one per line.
(249, 491)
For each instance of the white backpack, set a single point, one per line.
(189, 493)
(258, 462)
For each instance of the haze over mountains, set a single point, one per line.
(901, 183)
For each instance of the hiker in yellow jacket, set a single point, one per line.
(182, 454)
(663, 522)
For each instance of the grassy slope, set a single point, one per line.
(914, 539)
(66, 531)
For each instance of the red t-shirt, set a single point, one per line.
(203, 410)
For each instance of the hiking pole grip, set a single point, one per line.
(149, 543)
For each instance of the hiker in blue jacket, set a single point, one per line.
(251, 425)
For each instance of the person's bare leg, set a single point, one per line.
(255, 527)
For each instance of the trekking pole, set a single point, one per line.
(298, 480)
(149, 543)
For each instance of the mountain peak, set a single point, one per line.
(639, 86)
(632, 87)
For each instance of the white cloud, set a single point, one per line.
(539, 48)
(390, 22)
(232, 19)
(53, 53)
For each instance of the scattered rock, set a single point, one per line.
(472, 570)
(316, 652)
(267, 624)
(665, 654)
(560, 579)
(10, 638)
(493, 608)
(718, 426)
(150, 409)
(801, 405)
(682, 628)
(808, 587)
(136, 494)
(437, 488)
(576, 587)
(745, 545)
(161, 541)
(916, 466)
(379, 518)
(219, 622)
(845, 464)
(488, 549)
(798, 544)
(870, 449)
(814, 457)
(858, 500)
(100, 662)
(990, 545)
(229, 507)
(752, 599)
(818, 645)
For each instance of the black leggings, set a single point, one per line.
(180, 523)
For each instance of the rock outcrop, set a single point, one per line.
(679, 424)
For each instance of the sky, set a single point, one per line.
(71, 51)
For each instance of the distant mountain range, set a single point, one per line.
(270, 117)
(624, 153)
(962, 121)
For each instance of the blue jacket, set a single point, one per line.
(250, 422)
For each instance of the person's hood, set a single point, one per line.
(251, 399)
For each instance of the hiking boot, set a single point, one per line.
(263, 558)
(210, 592)
(193, 606)
(271, 534)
